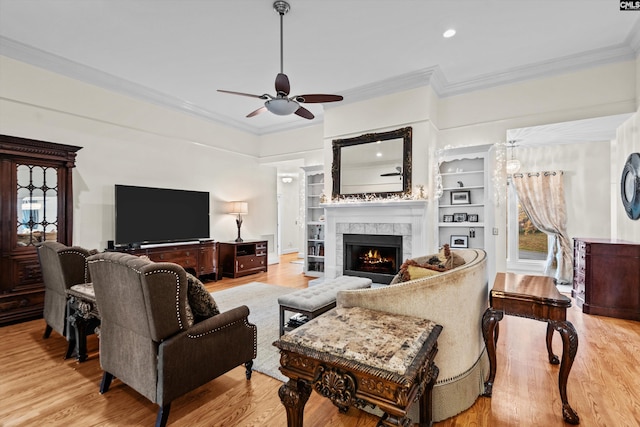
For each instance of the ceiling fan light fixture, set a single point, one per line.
(281, 106)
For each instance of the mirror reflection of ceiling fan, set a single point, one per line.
(397, 173)
(282, 104)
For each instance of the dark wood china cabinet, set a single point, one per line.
(36, 204)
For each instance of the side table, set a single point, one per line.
(83, 317)
(358, 357)
(533, 297)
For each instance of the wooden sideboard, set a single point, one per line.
(199, 258)
(606, 277)
(243, 258)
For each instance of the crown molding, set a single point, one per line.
(66, 67)
(539, 70)
(633, 39)
(432, 76)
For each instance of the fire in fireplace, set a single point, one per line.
(377, 257)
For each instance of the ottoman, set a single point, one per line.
(314, 301)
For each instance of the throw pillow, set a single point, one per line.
(453, 259)
(432, 264)
(201, 302)
(418, 272)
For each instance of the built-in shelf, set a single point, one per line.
(463, 172)
(314, 222)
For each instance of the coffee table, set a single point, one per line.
(533, 297)
(360, 357)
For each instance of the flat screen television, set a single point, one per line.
(160, 215)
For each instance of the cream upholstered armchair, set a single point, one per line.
(148, 338)
(62, 267)
(455, 299)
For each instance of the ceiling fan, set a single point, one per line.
(397, 173)
(282, 104)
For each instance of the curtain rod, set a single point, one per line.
(530, 174)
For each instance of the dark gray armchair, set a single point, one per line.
(147, 340)
(62, 267)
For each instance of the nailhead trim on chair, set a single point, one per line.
(177, 293)
(85, 256)
(160, 271)
(213, 331)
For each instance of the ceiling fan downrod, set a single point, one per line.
(282, 7)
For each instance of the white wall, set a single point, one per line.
(126, 141)
(627, 142)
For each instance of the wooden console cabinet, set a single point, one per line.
(243, 258)
(198, 258)
(606, 277)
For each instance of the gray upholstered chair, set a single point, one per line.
(62, 267)
(148, 339)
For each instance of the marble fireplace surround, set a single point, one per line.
(406, 218)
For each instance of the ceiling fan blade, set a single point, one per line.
(318, 97)
(282, 84)
(303, 112)
(265, 96)
(390, 174)
(258, 111)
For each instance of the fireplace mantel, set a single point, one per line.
(407, 218)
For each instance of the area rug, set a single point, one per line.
(262, 300)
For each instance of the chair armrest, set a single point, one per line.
(205, 351)
(223, 320)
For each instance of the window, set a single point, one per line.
(527, 247)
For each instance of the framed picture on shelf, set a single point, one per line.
(447, 218)
(459, 241)
(459, 197)
(473, 218)
(459, 217)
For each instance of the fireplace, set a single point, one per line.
(377, 257)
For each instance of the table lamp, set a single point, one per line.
(238, 208)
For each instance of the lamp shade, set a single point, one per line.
(238, 208)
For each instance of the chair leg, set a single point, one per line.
(106, 382)
(248, 371)
(163, 415)
(47, 332)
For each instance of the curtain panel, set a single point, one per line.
(541, 195)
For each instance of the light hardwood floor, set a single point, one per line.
(39, 388)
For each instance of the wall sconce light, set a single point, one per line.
(287, 179)
(238, 208)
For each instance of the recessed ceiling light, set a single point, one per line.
(449, 33)
(378, 154)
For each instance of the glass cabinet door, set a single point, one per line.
(37, 204)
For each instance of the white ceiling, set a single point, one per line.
(179, 52)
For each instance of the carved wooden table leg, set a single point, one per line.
(490, 320)
(569, 350)
(294, 395)
(426, 398)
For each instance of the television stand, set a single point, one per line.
(198, 258)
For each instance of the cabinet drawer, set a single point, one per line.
(247, 262)
(184, 258)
